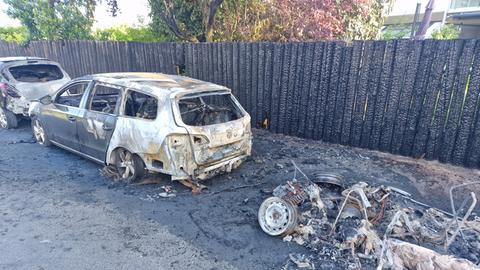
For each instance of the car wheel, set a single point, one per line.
(39, 133)
(8, 119)
(130, 167)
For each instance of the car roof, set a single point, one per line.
(19, 58)
(158, 84)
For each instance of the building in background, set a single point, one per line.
(465, 14)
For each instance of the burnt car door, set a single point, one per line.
(60, 117)
(96, 126)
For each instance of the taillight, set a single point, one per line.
(200, 139)
(8, 90)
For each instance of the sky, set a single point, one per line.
(135, 12)
(403, 7)
(132, 12)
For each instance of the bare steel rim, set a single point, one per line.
(3, 119)
(125, 164)
(277, 216)
(38, 132)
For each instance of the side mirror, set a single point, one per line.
(46, 100)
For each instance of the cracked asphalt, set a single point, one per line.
(58, 212)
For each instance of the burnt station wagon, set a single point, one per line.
(175, 125)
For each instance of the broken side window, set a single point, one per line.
(36, 73)
(208, 109)
(72, 95)
(141, 105)
(105, 99)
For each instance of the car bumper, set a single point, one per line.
(17, 105)
(224, 166)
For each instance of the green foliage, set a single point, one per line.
(56, 19)
(273, 20)
(395, 32)
(177, 19)
(364, 19)
(245, 20)
(127, 33)
(449, 31)
(14, 34)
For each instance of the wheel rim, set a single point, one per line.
(3, 119)
(38, 132)
(277, 216)
(125, 164)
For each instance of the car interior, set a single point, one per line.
(105, 99)
(72, 95)
(36, 73)
(141, 105)
(208, 110)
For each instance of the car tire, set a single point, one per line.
(130, 167)
(39, 133)
(8, 119)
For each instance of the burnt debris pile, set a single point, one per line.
(368, 227)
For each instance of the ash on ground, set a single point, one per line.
(368, 227)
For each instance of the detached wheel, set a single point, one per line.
(130, 167)
(277, 216)
(39, 133)
(8, 119)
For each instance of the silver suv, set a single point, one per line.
(23, 79)
(175, 125)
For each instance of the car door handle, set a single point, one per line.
(107, 127)
(72, 118)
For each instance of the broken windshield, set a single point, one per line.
(208, 109)
(36, 73)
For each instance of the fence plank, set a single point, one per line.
(276, 84)
(297, 89)
(267, 94)
(303, 125)
(375, 70)
(443, 100)
(428, 104)
(248, 76)
(254, 82)
(351, 89)
(291, 89)
(415, 49)
(470, 103)
(282, 99)
(327, 57)
(361, 94)
(418, 96)
(455, 108)
(260, 85)
(332, 91)
(382, 95)
(342, 91)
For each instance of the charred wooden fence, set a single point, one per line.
(415, 98)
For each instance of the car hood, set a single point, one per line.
(32, 91)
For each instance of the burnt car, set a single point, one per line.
(139, 122)
(23, 79)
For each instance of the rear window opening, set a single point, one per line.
(36, 73)
(208, 110)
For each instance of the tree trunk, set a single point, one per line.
(210, 8)
(427, 17)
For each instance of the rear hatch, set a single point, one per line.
(36, 79)
(218, 127)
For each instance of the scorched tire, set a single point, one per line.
(130, 167)
(8, 119)
(39, 133)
